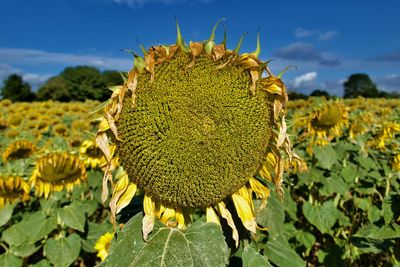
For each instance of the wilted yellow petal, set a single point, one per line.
(126, 198)
(228, 217)
(245, 213)
(212, 216)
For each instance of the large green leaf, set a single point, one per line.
(8, 259)
(202, 244)
(280, 253)
(251, 258)
(326, 156)
(6, 213)
(376, 232)
(73, 216)
(272, 216)
(24, 250)
(63, 251)
(323, 217)
(31, 229)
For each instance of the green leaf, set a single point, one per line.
(326, 156)
(73, 216)
(272, 216)
(48, 205)
(305, 239)
(289, 205)
(24, 250)
(280, 253)
(251, 258)
(349, 173)
(375, 232)
(95, 231)
(89, 206)
(42, 263)
(63, 251)
(95, 178)
(31, 229)
(367, 163)
(323, 217)
(335, 184)
(6, 213)
(14, 235)
(202, 244)
(8, 259)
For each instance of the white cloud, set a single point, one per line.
(31, 57)
(305, 78)
(327, 35)
(34, 79)
(318, 34)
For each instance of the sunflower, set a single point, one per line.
(12, 189)
(90, 153)
(14, 120)
(57, 171)
(195, 126)
(396, 163)
(386, 134)
(18, 150)
(103, 245)
(326, 123)
(360, 125)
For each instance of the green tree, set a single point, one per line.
(80, 83)
(360, 85)
(293, 95)
(16, 89)
(318, 92)
(56, 89)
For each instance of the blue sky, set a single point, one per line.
(326, 40)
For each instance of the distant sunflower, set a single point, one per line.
(193, 127)
(103, 245)
(12, 189)
(91, 154)
(56, 172)
(396, 163)
(326, 123)
(386, 134)
(18, 150)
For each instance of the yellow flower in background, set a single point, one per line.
(326, 123)
(396, 163)
(13, 189)
(103, 245)
(18, 150)
(192, 126)
(90, 153)
(386, 134)
(57, 171)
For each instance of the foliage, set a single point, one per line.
(78, 84)
(318, 92)
(360, 84)
(16, 89)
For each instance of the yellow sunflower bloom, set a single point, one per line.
(191, 127)
(56, 172)
(396, 163)
(103, 245)
(18, 150)
(326, 123)
(12, 189)
(90, 153)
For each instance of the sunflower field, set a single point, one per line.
(171, 171)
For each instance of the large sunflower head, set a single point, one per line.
(57, 171)
(18, 150)
(12, 189)
(192, 126)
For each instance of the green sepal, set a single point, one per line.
(210, 42)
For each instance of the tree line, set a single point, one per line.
(85, 82)
(72, 84)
